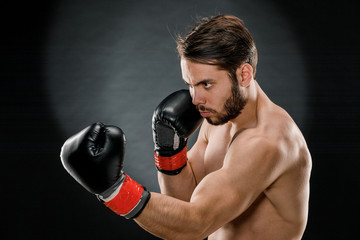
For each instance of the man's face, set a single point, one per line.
(215, 95)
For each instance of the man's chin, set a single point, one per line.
(215, 121)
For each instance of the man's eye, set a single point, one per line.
(207, 85)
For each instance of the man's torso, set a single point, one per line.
(280, 212)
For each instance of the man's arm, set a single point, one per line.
(181, 186)
(94, 158)
(175, 119)
(219, 198)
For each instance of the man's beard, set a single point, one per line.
(232, 107)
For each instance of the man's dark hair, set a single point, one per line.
(221, 40)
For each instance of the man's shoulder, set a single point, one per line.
(279, 143)
(277, 125)
(255, 146)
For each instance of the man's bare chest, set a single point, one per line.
(215, 152)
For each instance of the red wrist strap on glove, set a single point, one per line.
(171, 165)
(131, 199)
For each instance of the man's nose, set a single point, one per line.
(196, 95)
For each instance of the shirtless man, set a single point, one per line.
(247, 175)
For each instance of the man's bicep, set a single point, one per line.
(225, 194)
(217, 201)
(254, 164)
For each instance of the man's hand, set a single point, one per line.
(174, 120)
(94, 158)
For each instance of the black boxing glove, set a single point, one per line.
(94, 158)
(174, 120)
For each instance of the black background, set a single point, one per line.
(37, 199)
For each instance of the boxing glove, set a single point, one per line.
(94, 158)
(174, 120)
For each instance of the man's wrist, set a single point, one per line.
(128, 200)
(171, 165)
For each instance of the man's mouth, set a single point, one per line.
(205, 114)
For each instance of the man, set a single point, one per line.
(247, 175)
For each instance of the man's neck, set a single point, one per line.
(248, 116)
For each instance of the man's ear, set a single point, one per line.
(244, 74)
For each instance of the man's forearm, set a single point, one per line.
(179, 186)
(170, 218)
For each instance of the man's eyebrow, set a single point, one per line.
(207, 80)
